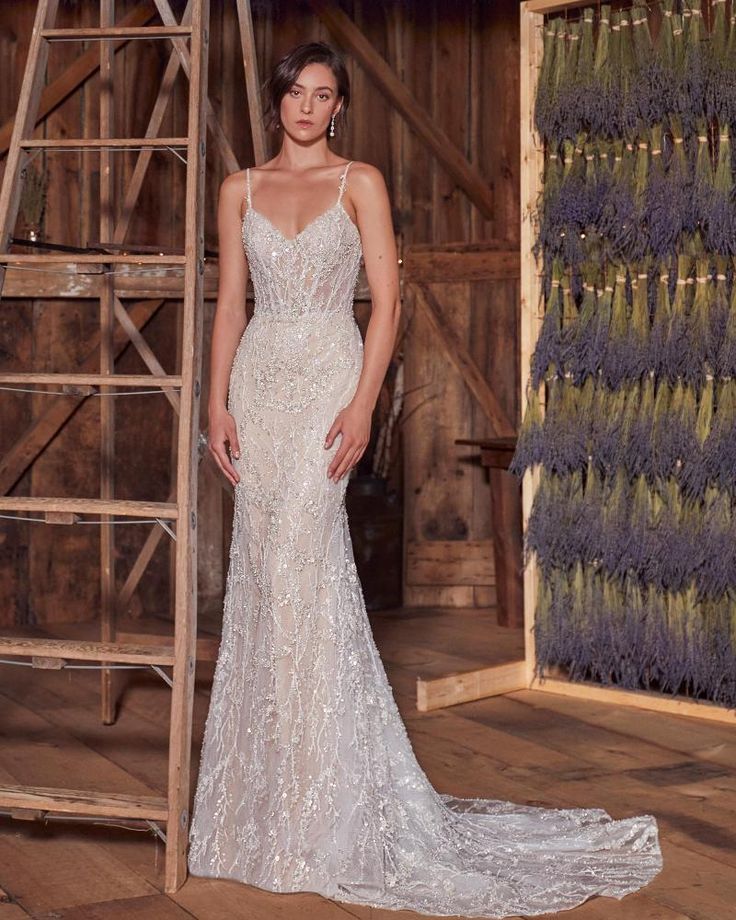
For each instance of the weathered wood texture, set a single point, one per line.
(527, 747)
(459, 64)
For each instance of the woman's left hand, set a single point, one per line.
(354, 425)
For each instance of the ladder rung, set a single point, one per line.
(166, 510)
(91, 258)
(207, 646)
(108, 32)
(84, 650)
(59, 143)
(84, 802)
(115, 380)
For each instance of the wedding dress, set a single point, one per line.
(308, 780)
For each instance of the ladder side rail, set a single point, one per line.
(107, 362)
(182, 694)
(24, 123)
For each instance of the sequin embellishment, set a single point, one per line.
(307, 779)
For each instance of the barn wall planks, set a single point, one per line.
(460, 63)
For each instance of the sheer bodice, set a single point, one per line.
(314, 273)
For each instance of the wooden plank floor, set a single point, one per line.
(527, 747)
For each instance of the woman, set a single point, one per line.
(308, 781)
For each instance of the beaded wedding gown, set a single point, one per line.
(308, 780)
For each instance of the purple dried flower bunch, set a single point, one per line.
(634, 520)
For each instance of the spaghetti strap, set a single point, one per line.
(247, 186)
(343, 177)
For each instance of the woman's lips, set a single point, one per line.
(306, 124)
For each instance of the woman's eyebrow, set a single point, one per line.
(301, 86)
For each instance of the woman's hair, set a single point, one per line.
(285, 74)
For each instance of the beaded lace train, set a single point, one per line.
(308, 781)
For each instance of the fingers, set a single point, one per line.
(218, 450)
(344, 460)
(332, 433)
(232, 436)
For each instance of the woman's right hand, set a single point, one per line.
(223, 431)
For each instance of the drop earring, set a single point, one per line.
(332, 126)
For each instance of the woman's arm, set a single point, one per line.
(369, 195)
(229, 324)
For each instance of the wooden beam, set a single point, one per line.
(449, 562)
(84, 650)
(252, 81)
(639, 699)
(96, 33)
(552, 6)
(84, 802)
(425, 263)
(466, 686)
(144, 350)
(451, 158)
(40, 504)
(460, 356)
(229, 158)
(531, 180)
(187, 458)
(207, 646)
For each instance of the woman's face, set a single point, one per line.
(310, 102)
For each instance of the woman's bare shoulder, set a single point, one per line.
(365, 178)
(233, 185)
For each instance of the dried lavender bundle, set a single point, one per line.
(695, 51)
(644, 90)
(662, 204)
(719, 449)
(661, 320)
(718, 209)
(716, 83)
(553, 55)
(588, 342)
(725, 365)
(675, 358)
(641, 450)
(614, 364)
(546, 358)
(606, 426)
(726, 101)
(719, 313)
(662, 71)
(702, 189)
(578, 103)
(693, 473)
(628, 109)
(530, 440)
(564, 445)
(697, 325)
(602, 100)
(618, 215)
(568, 116)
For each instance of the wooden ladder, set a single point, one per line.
(178, 515)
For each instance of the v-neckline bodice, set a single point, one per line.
(337, 206)
(290, 240)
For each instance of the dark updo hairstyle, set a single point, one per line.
(286, 72)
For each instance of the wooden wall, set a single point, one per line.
(460, 62)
